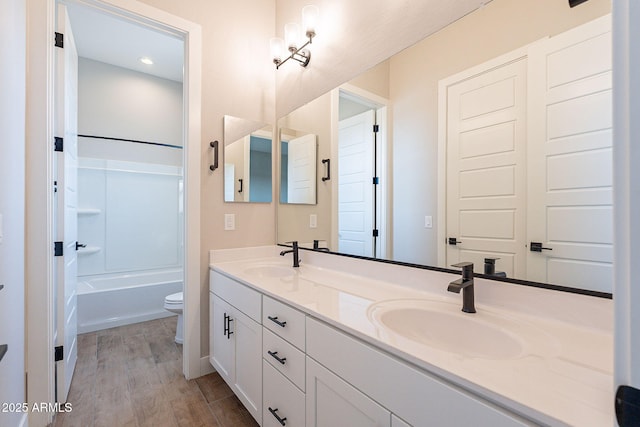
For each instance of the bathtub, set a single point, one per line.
(109, 300)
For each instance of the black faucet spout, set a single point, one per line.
(294, 251)
(465, 284)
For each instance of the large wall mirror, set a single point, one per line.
(489, 140)
(247, 160)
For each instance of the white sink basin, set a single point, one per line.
(443, 326)
(270, 270)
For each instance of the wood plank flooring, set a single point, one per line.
(132, 376)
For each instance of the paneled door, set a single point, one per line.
(66, 199)
(301, 170)
(485, 176)
(570, 158)
(355, 185)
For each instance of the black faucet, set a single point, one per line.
(466, 285)
(316, 246)
(490, 268)
(296, 257)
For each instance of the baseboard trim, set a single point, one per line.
(205, 366)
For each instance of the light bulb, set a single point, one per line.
(292, 36)
(310, 14)
(277, 49)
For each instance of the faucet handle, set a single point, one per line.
(467, 269)
(463, 265)
(293, 242)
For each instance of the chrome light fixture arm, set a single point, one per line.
(302, 55)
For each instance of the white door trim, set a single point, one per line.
(39, 192)
(626, 201)
(384, 217)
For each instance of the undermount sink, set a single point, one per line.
(443, 326)
(270, 270)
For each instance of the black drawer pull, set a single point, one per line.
(274, 354)
(229, 331)
(280, 420)
(225, 324)
(277, 322)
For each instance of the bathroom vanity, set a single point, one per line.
(343, 341)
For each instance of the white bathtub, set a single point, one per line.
(109, 300)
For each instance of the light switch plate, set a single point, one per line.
(428, 221)
(313, 221)
(229, 222)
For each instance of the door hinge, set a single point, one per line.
(375, 232)
(58, 144)
(57, 249)
(376, 180)
(59, 40)
(58, 353)
(376, 128)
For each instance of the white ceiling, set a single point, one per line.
(115, 41)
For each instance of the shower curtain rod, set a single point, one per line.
(132, 140)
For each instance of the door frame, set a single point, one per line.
(626, 198)
(39, 189)
(382, 119)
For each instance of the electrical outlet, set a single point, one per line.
(313, 221)
(229, 222)
(428, 221)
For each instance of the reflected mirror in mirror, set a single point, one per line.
(247, 160)
(496, 149)
(297, 167)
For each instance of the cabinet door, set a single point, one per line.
(247, 383)
(220, 345)
(333, 402)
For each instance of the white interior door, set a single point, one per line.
(301, 170)
(486, 149)
(355, 186)
(570, 158)
(66, 204)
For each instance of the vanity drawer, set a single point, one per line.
(281, 397)
(238, 295)
(293, 366)
(284, 321)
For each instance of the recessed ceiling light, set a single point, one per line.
(146, 60)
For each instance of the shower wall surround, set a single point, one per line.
(129, 216)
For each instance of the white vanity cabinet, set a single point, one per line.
(290, 369)
(236, 339)
(284, 369)
(331, 401)
(409, 393)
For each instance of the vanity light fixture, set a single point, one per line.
(292, 39)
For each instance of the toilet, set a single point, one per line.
(173, 303)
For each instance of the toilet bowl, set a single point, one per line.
(173, 303)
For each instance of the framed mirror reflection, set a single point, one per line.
(497, 151)
(247, 161)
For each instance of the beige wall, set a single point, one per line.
(238, 80)
(498, 28)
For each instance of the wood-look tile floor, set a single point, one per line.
(132, 376)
